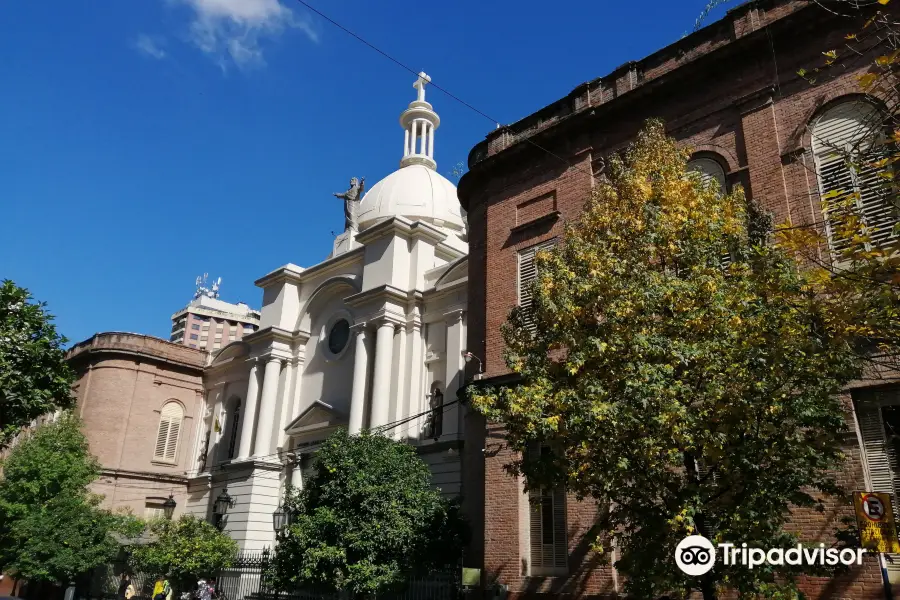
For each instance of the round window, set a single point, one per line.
(339, 336)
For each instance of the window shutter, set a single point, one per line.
(854, 128)
(560, 550)
(167, 434)
(527, 275)
(547, 530)
(709, 170)
(880, 463)
(162, 435)
(874, 191)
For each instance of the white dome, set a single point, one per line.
(416, 192)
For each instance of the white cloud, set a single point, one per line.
(234, 28)
(150, 45)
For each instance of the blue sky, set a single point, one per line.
(144, 142)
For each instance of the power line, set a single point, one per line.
(275, 475)
(406, 67)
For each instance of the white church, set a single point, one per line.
(372, 337)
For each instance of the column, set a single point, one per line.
(267, 403)
(431, 140)
(456, 364)
(381, 384)
(296, 476)
(299, 363)
(406, 142)
(412, 134)
(360, 374)
(416, 367)
(284, 414)
(248, 414)
(398, 386)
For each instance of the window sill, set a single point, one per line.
(543, 572)
(548, 218)
(164, 463)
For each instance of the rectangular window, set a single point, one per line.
(527, 273)
(195, 327)
(194, 336)
(153, 510)
(547, 529)
(878, 415)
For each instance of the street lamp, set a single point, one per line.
(469, 358)
(221, 506)
(280, 519)
(169, 507)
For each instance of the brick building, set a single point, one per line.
(732, 93)
(139, 398)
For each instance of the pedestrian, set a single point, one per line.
(203, 590)
(126, 589)
(161, 589)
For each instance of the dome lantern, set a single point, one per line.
(419, 122)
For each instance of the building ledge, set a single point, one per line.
(542, 220)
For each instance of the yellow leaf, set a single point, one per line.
(866, 81)
(883, 1)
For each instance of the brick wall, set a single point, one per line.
(730, 90)
(124, 380)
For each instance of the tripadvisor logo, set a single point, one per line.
(695, 555)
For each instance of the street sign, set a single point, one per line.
(471, 577)
(875, 519)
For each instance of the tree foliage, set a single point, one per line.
(686, 392)
(34, 376)
(367, 520)
(51, 526)
(183, 550)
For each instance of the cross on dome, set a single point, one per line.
(423, 80)
(419, 122)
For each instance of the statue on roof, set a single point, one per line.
(351, 198)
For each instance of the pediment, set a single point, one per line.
(316, 416)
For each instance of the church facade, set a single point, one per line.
(372, 337)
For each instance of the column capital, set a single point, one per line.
(359, 327)
(454, 316)
(274, 357)
(386, 319)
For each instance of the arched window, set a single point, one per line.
(235, 425)
(708, 169)
(847, 143)
(168, 433)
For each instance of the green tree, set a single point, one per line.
(368, 520)
(34, 376)
(184, 550)
(51, 526)
(682, 371)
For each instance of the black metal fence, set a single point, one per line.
(246, 580)
(246, 576)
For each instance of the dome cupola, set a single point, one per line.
(416, 190)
